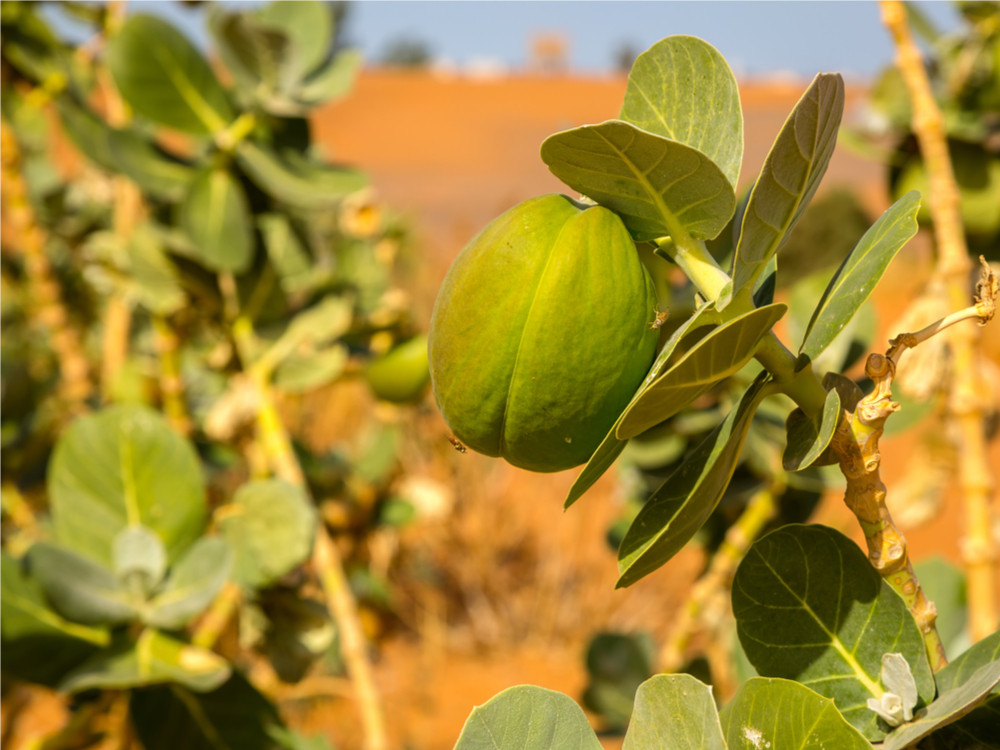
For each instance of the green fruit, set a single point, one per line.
(400, 375)
(541, 333)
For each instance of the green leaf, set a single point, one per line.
(191, 586)
(80, 590)
(657, 186)
(611, 447)
(808, 438)
(784, 715)
(234, 716)
(157, 172)
(949, 708)
(672, 87)
(140, 559)
(152, 276)
(791, 173)
(674, 712)
(617, 664)
(299, 632)
(977, 729)
(89, 133)
(961, 669)
(527, 717)
(685, 500)
(163, 77)
(124, 466)
(301, 373)
(152, 659)
(308, 26)
(859, 273)
(297, 183)
(286, 252)
(38, 644)
(810, 607)
(721, 353)
(332, 81)
(270, 526)
(215, 215)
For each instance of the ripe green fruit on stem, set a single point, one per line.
(541, 333)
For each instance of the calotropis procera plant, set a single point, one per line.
(206, 267)
(845, 643)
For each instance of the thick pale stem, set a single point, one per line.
(966, 403)
(326, 559)
(171, 383)
(214, 621)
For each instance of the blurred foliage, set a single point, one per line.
(213, 267)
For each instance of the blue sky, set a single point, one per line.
(801, 37)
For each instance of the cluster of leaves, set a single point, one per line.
(668, 166)
(272, 270)
(965, 74)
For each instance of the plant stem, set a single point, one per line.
(214, 621)
(329, 566)
(966, 402)
(50, 308)
(719, 575)
(167, 345)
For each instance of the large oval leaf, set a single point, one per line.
(686, 499)
(80, 590)
(151, 659)
(124, 466)
(215, 215)
(656, 185)
(774, 714)
(297, 183)
(39, 645)
(859, 273)
(158, 173)
(271, 525)
(718, 355)
(791, 173)
(611, 447)
(527, 717)
(674, 712)
(670, 89)
(163, 77)
(810, 607)
(191, 586)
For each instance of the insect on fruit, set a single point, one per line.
(660, 319)
(457, 444)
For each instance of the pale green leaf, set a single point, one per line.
(152, 277)
(810, 607)
(191, 585)
(978, 728)
(611, 447)
(807, 437)
(526, 717)
(657, 186)
(215, 215)
(90, 134)
(949, 708)
(775, 714)
(80, 590)
(308, 26)
(153, 658)
(683, 89)
(332, 81)
(721, 353)
(140, 559)
(286, 252)
(685, 500)
(163, 77)
(300, 373)
(270, 526)
(860, 272)
(674, 712)
(119, 467)
(297, 183)
(39, 645)
(791, 173)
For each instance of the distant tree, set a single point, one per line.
(407, 52)
(624, 55)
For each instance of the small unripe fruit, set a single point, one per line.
(400, 375)
(541, 333)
